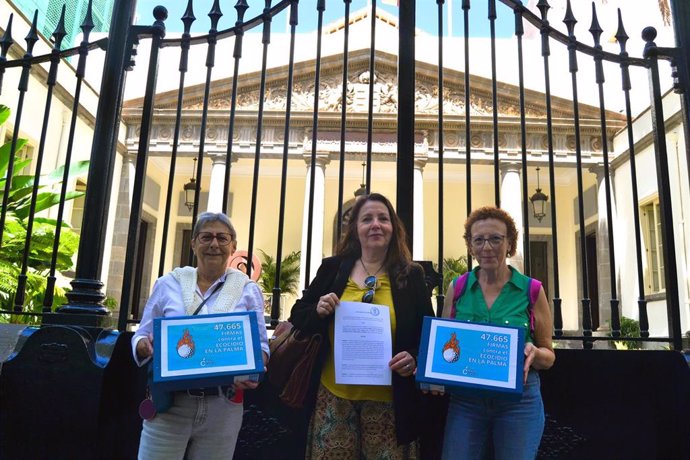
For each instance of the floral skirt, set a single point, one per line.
(341, 429)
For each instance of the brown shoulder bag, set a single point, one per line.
(289, 369)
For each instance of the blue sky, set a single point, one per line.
(427, 15)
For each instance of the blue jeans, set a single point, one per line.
(209, 424)
(515, 427)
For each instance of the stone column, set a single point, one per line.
(511, 202)
(418, 221)
(318, 219)
(118, 249)
(217, 183)
(603, 267)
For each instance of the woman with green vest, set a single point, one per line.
(497, 293)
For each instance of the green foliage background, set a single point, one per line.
(289, 273)
(42, 235)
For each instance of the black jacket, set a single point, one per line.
(410, 303)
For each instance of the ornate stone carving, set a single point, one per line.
(187, 132)
(452, 139)
(385, 96)
(595, 144)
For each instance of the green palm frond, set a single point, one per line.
(289, 273)
(41, 244)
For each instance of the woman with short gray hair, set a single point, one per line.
(203, 422)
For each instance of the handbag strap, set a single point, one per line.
(203, 302)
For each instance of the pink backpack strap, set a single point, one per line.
(534, 289)
(459, 284)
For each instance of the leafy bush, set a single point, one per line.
(452, 267)
(42, 233)
(629, 328)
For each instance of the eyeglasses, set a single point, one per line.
(207, 238)
(370, 282)
(494, 240)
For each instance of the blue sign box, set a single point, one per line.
(205, 350)
(471, 358)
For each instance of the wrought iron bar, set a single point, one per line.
(230, 31)
(343, 118)
(320, 7)
(372, 78)
(187, 19)
(565, 39)
(519, 32)
(406, 117)
(622, 39)
(31, 39)
(212, 38)
(494, 102)
(86, 296)
(468, 117)
(440, 294)
(87, 26)
(5, 43)
(543, 6)
(652, 54)
(596, 32)
(275, 300)
(58, 36)
(570, 22)
(158, 32)
(241, 7)
(266, 40)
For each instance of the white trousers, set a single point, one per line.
(204, 427)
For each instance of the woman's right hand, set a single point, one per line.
(326, 305)
(145, 347)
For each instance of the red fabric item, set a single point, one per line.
(238, 397)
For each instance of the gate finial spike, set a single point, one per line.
(60, 31)
(87, 25)
(241, 7)
(32, 37)
(188, 18)
(160, 14)
(6, 41)
(569, 20)
(621, 36)
(543, 6)
(215, 15)
(595, 29)
(465, 4)
(649, 35)
(492, 9)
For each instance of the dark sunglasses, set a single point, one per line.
(370, 282)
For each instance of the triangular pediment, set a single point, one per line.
(385, 87)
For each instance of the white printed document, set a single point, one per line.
(363, 344)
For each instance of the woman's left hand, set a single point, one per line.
(530, 354)
(403, 363)
(246, 385)
(250, 384)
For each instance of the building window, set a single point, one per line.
(78, 207)
(651, 230)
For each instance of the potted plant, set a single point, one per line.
(289, 277)
(451, 269)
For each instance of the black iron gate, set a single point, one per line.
(85, 316)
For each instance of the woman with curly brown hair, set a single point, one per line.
(497, 293)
